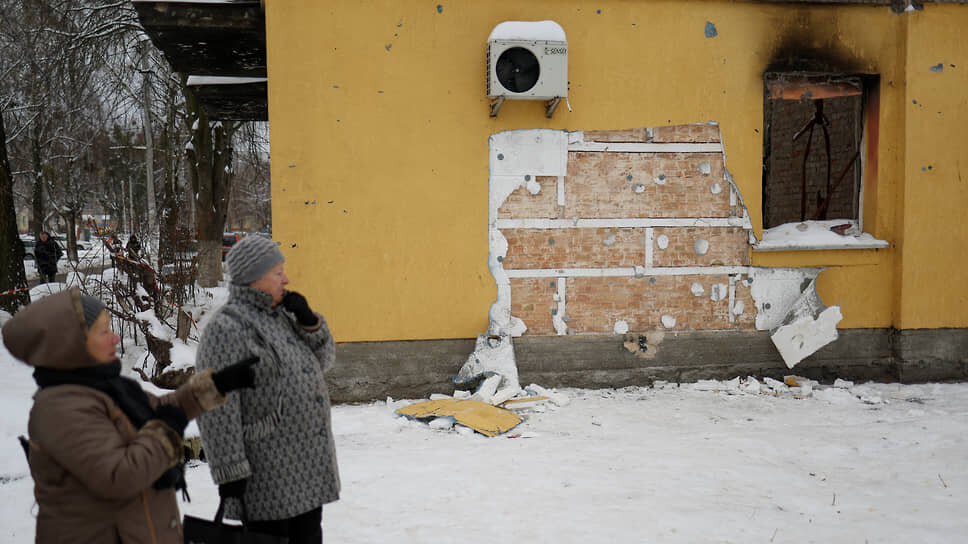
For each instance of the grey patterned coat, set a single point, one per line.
(278, 435)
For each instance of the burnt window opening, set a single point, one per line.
(813, 145)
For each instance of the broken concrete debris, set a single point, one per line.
(492, 372)
(796, 387)
(492, 360)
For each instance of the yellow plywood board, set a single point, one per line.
(482, 417)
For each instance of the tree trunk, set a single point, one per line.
(71, 219)
(37, 193)
(209, 156)
(12, 275)
(151, 243)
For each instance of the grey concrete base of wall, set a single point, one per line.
(367, 371)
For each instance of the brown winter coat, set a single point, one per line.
(93, 471)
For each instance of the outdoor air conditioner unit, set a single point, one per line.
(527, 61)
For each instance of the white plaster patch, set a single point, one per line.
(638, 188)
(704, 168)
(538, 152)
(697, 289)
(800, 339)
(621, 327)
(739, 307)
(718, 292)
(558, 320)
(716, 188)
(701, 246)
(660, 179)
(775, 290)
(493, 357)
(662, 241)
(668, 321)
(609, 241)
(532, 184)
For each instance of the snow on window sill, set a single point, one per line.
(818, 235)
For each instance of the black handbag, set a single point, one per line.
(203, 531)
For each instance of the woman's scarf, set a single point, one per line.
(126, 392)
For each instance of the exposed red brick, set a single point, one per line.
(574, 248)
(532, 300)
(522, 204)
(697, 133)
(637, 135)
(618, 185)
(728, 246)
(594, 305)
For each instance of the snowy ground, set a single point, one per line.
(95, 256)
(696, 463)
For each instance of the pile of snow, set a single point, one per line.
(832, 234)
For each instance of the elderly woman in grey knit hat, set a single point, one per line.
(105, 456)
(270, 449)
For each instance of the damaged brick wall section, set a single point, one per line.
(617, 232)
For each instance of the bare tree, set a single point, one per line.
(209, 156)
(12, 276)
(249, 203)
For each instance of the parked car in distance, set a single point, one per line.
(62, 242)
(228, 240)
(28, 246)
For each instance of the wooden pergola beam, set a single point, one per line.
(214, 39)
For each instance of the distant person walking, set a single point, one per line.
(134, 248)
(104, 455)
(271, 449)
(46, 255)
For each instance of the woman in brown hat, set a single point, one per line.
(104, 455)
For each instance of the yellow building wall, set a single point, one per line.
(379, 137)
(934, 238)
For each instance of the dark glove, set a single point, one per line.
(172, 416)
(233, 489)
(296, 303)
(235, 376)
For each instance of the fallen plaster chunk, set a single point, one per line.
(716, 385)
(843, 384)
(487, 389)
(556, 398)
(808, 326)
(775, 385)
(443, 423)
(806, 335)
(752, 386)
(492, 359)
